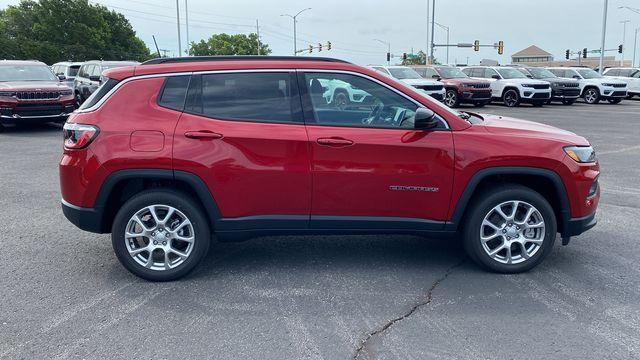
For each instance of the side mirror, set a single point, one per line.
(425, 119)
(437, 77)
(94, 77)
(577, 77)
(62, 77)
(529, 76)
(497, 77)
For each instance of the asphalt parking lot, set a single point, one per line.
(63, 293)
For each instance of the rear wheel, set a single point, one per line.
(451, 98)
(511, 229)
(591, 96)
(511, 98)
(614, 101)
(160, 235)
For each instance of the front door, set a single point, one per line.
(370, 168)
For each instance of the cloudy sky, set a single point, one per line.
(352, 26)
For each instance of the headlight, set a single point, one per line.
(527, 85)
(607, 84)
(581, 154)
(66, 92)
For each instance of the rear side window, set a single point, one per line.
(174, 92)
(252, 96)
(99, 94)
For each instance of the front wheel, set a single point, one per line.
(451, 98)
(511, 229)
(591, 96)
(341, 100)
(511, 98)
(160, 235)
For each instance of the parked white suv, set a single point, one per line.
(593, 86)
(511, 86)
(631, 76)
(409, 76)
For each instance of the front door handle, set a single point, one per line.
(334, 141)
(203, 134)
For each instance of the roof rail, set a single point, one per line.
(237, 58)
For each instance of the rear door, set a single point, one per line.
(243, 134)
(370, 167)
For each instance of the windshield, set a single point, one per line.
(26, 73)
(451, 73)
(404, 73)
(73, 70)
(539, 73)
(588, 74)
(510, 73)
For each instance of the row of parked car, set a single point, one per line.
(31, 91)
(513, 85)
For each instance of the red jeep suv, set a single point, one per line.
(30, 92)
(170, 152)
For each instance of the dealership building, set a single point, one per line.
(535, 56)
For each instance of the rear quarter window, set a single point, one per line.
(99, 94)
(174, 92)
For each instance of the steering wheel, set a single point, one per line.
(375, 113)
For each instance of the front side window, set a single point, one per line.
(251, 96)
(589, 74)
(511, 73)
(429, 73)
(451, 73)
(489, 73)
(363, 103)
(403, 73)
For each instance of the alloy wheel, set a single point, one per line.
(590, 96)
(450, 99)
(159, 237)
(511, 98)
(512, 232)
(340, 101)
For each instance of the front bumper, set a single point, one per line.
(531, 94)
(475, 95)
(577, 226)
(87, 219)
(565, 93)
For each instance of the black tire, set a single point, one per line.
(182, 203)
(568, 101)
(79, 100)
(341, 100)
(1, 129)
(591, 95)
(511, 98)
(614, 101)
(548, 102)
(630, 96)
(484, 204)
(451, 98)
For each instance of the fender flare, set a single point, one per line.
(461, 206)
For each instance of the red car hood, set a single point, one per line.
(33, 86)
(524, 128)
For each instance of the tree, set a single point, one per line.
(418, 59)
(58, 30)
(225, 44)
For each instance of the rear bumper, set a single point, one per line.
(577, 226)
(87, 219)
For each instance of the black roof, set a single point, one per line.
(237, 57)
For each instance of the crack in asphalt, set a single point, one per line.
(427, 300)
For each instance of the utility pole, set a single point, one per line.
(624, 46)
(178, 19)
(294, 17)
(446, 28)
(258, 33)
(433, 24)
(388, 49)
(635, 44)
(426, 58)
(604, 33)
(186, 15)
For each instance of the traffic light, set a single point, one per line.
(476, 45)
(404, 56)
(500, 47)
(388, 57)
(584, 53)
(319, 47)
(566, 54)
(310, 48)
(328, 45)
(620, 49)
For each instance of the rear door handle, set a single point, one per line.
(334, 141)
(203, 134)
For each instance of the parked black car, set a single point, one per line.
(565, 90)
(90, 77)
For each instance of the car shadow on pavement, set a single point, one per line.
(31, 129)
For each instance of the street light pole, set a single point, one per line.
(388, 49)
(433, 22)
(604, 33)
(624, 46)
(635, 44)
(446, 28)
(186, 20)
(294, 17)
(426, 58)
(178, 18)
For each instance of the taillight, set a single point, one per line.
(78, 136)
